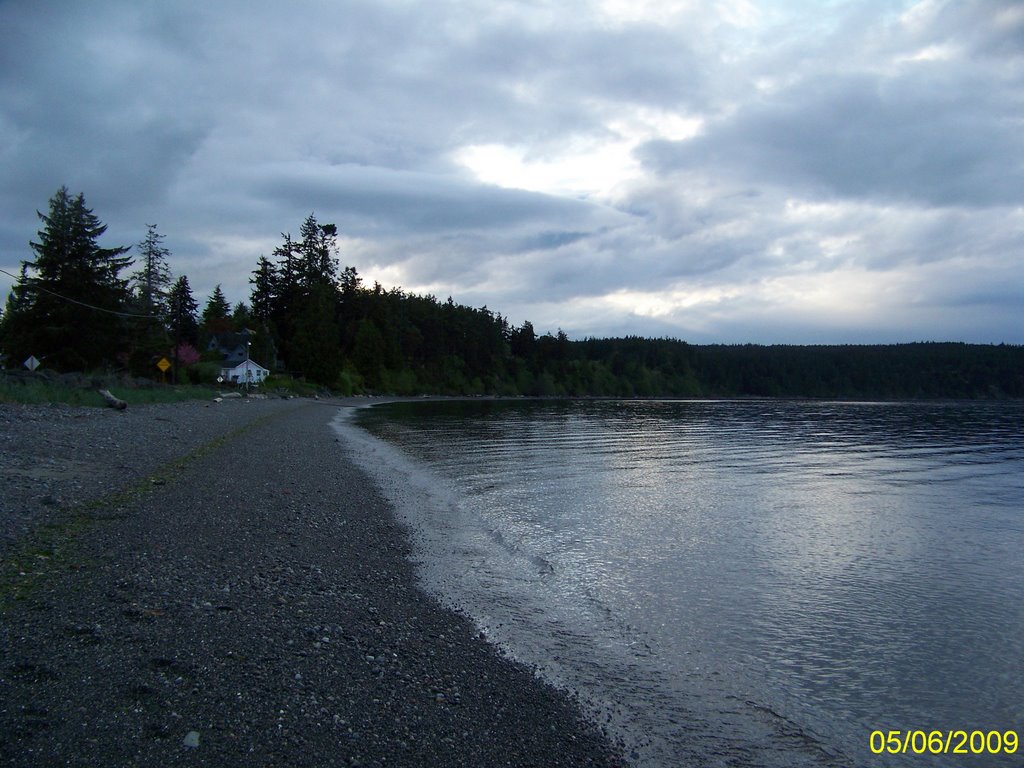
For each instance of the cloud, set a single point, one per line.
(370, 199)
(906, 139)
(727, 171)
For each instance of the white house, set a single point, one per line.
(246, 371)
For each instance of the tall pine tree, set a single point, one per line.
(152, 280)
(316, 340)
(216, 314)
(297, 299)
(319, 253)
(264, 289)
(14, 321)
(181, 313)
(182, 323)
(150, 286)
(71, 302)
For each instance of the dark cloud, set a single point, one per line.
(906, 139)
(842, 152)
(370, 200)
(986, 29)
(644, 64)
(90, 105)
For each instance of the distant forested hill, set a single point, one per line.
(400, 343)
(923, 370)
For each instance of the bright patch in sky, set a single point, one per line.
(666, 303)
(584, 167)
(843, 296)
(737, 12)
(943, 52)
(633, 11)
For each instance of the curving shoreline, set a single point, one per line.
(254, 599)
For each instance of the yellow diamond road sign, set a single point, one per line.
(163, 365)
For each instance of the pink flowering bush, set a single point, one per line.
(187, 354)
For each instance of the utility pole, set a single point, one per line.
(177, 343)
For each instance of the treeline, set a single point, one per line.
(313, 319)
(358, 338)
(74, 308)
(897, 371)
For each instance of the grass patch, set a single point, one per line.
(81, 389)
(281, 384)
(162, 394)
(53, 547)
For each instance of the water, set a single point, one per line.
(732, 583)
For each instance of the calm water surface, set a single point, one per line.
(732, 583)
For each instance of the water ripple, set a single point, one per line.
(736, 583)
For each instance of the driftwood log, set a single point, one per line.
(112, 401)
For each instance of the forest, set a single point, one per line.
(307, 317)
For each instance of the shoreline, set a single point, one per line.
(241, 594)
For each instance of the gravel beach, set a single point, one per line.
(218, 584)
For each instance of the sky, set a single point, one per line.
(725, 171)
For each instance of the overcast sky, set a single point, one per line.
(797, 171)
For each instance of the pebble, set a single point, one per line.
(411, 682)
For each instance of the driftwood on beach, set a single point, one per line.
(112, 401)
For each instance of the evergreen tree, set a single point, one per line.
(71, 302)
(318, 248)
(287, 295)
(367, 353)
(152, 281)
(314, 340)
(216, 313)
(298, 299)
(524, 341)
(350, 310)
(181, 313)
(263, 302)
(264, 289)
(14, 319)
(350, 282)
(150, 285)
(315, 348)
(241, 316)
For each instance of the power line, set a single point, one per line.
(82, 303)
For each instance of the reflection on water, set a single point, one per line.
(733, 583)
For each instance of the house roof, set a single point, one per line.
(230, 340)
(252, 363)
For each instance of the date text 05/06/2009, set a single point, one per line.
(945, 742)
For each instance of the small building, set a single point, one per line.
(247, 371)
(236, 347)
(233, 346)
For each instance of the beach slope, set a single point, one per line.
(244, 600)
